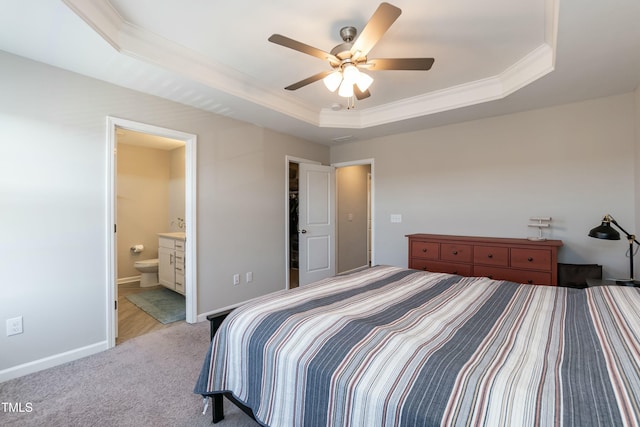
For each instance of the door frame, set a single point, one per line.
(371, 163)
(113, 123)
(291, 159)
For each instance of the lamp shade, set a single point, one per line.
(604, 231)
(364, 81)
(350, 73)
(346, 89)
(333, 80)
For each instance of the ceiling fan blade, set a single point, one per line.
(423, 64)
(304, 48)
(384, 16)
(360, 95)
(309, 80)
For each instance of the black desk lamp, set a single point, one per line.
(605, 231)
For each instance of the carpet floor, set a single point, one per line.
(146, 381)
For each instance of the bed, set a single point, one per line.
(395, 347)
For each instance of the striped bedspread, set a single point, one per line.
(396, 347)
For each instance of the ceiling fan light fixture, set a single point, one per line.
(346, 58)
(364, 81)
(346, 89)
(333, 80)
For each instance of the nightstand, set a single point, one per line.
(600, 282)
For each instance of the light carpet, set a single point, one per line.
(146, 381)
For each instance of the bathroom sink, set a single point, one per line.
(174, 235)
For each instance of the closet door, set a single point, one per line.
(316, 223)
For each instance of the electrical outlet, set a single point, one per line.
(236, 279)
(249, 277)
(14, 326)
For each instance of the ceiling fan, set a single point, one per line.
(348, 59)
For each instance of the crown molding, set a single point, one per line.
(144, 45)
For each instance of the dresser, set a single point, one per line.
(516, 260)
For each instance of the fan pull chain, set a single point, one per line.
(351, 102)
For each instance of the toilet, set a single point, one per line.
(148, 269)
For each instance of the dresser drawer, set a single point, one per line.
(491, 255)
(535, 259)
(442, 267)
(428, 250)
(456, 252)
(517, 276)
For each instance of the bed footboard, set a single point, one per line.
(217, 410)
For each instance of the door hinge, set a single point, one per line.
(115, 230)
(115, 305)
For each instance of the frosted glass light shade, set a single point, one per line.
(333, 80)
(350, 74)
(364, 81)
(346, 89)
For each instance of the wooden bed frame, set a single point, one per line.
(217, 409)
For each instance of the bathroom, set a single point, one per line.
(150, 200)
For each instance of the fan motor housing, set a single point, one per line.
(342, 51)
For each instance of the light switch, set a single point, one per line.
(396, 218)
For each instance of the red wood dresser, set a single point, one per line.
(516, 260)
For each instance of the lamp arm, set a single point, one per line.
(630, 237)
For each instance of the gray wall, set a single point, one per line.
(351, 183)
(53, 174)
(573, 163)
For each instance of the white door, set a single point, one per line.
(316, 222)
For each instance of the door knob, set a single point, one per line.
(303, 231)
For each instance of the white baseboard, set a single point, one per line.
(123, 280)
(51, 361)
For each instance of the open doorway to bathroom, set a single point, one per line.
(152, 205)
(150, 197)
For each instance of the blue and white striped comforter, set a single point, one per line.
(395, 347)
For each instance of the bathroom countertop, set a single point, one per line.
(178, 235)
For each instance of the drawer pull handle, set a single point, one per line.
(455, 252)
(530, 282)
(529, 259)
(424, 249)
(490, 256)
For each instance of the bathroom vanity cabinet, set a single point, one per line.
(171, 261)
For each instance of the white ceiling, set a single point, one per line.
(491, 57)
